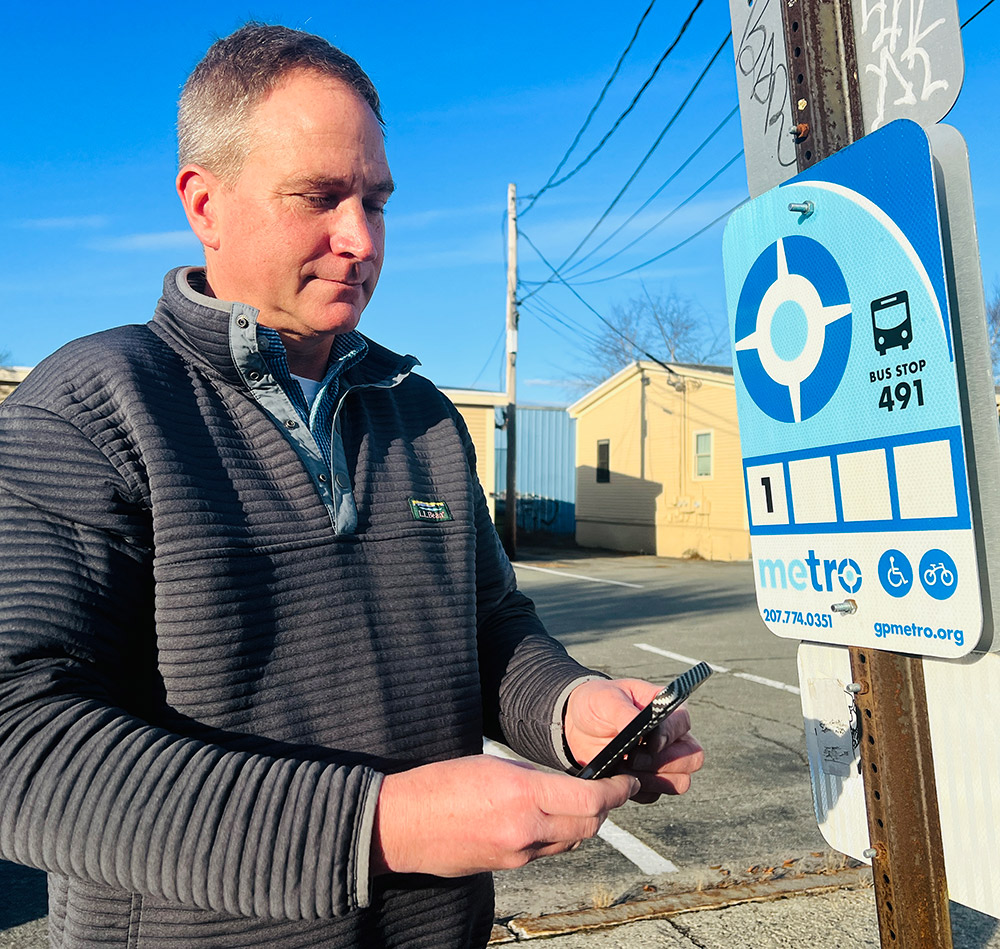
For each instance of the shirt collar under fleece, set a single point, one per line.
(348, 350)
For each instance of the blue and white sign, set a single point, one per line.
(849, 410)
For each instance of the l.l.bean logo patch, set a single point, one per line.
(423, 510)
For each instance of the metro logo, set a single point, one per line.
(798, 574)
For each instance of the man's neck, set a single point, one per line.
(306, 356)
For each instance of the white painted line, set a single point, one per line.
(760, 680)
(794, 689)
(677, 656)
(645, 858)
(576, 576)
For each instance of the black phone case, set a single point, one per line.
(666, 700)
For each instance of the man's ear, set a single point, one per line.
(198, 189)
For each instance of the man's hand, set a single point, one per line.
(467, 815)
(597, 710)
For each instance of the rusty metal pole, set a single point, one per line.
(911, 891)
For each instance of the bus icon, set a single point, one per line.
(891, 325)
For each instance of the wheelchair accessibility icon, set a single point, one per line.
(895, 573)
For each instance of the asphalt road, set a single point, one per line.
(751, 805)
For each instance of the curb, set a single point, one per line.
(659, 907)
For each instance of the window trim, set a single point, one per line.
(696, 455)
(606, 469)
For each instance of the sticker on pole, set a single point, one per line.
(850, 420)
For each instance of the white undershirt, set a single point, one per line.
(310, 388)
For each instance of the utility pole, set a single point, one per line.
(510, 506)
(907, 855)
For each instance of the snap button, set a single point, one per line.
(323, 478)
(342, 481)
(254, 376)
(291, 423)
(242, 322)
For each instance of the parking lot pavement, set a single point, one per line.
(751, 806)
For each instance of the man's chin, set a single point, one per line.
(334, 318)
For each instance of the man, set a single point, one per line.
(254, 619)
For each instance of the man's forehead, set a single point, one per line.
(324, 182)
(310, 87)
(317, 129)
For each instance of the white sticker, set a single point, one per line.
(831, 727)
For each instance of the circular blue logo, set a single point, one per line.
(938, 574)
(793, 329)
(849, 575)
(895, 573)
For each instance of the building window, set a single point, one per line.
(703, 454)
(603, 461)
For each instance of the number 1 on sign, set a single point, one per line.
(768, 500)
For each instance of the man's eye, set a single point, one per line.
(319, 200)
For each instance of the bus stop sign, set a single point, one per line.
(850, 417)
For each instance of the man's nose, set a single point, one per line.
(353, 232)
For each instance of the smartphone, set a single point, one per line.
(617, 752)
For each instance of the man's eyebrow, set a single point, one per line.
(327, 183)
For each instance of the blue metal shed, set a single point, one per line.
(546, 470)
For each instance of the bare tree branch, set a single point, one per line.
(993, 327)
(664, 326)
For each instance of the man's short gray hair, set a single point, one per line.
(237, 73)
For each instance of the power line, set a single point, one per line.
(652, 260)
(694, 194)
(566, 320)
(687, 98)
(544, 319)
(974, 15)
(595, 107)
(620, 119)
(645, 204)
(489, 358)
(600, 316)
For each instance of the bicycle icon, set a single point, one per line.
(938, 574)
(895, 573)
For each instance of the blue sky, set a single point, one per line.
(475, 96)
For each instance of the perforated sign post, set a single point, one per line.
(907, 56)
(965, 735)
(849, 410)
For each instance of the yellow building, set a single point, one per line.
(10, 378)
(478, 408)
(658, 463)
